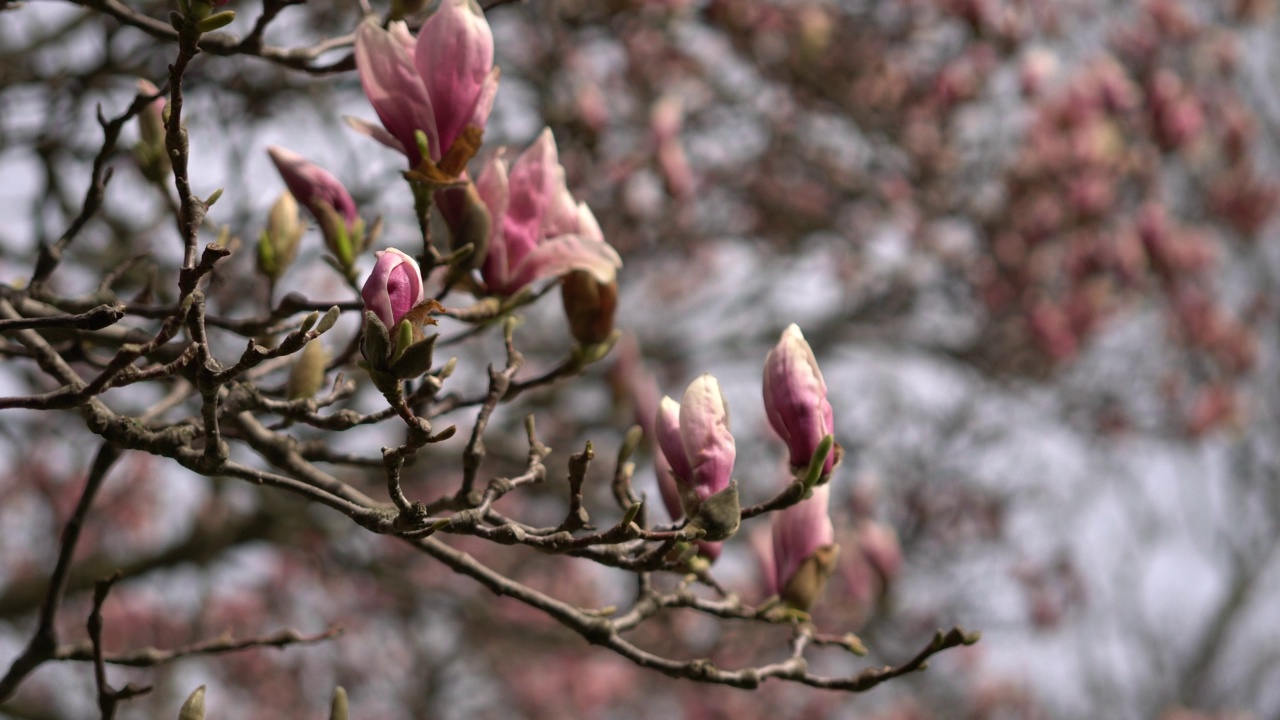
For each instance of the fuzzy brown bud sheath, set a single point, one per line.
(589, 305)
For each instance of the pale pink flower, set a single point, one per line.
(538, 230)
(440, 83)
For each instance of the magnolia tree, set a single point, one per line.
(281, 370)
(268, 414)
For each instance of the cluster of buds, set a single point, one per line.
(516, 224)
(324, 196)
(795, 400)
(695, 459)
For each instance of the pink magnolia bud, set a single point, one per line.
(804, 549)
(393, 288)
(695, 440)
(538, 231)
(439, 83)
(313, 185)
(795, 399)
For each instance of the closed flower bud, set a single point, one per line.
(327, 200)
(795, 399)
(278, 244)
(589, 304)
(307, 375)
(393, 288)
(150, 152)
(695, 440)
(804, 550)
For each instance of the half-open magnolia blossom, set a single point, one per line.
(313, 186)
(795, 398)
(440, 83)
(538, 231)
(694, 435)
(393, 288)
(803, 532)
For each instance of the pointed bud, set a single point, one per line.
(589, 304)
(150, 152)
(393, 288)
(278, 244)
(795, 399)
(307, 375)
(193, 708)
(804, 549)
(695, 439)
(314, 187)
(338, 709)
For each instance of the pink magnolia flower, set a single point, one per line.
(694, 439)
(393, 288)
(312, 185)
(800, 532)
(538, 230)
(795, 398)
(440, 83)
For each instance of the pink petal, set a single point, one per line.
(394, 87)
(454, 56)
(311, 183)
(704, 430)
(558, 256)
(667, 429)
(494, 189)
(377, 133)
(798, 532)
(795, 397)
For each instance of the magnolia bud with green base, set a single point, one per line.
(278, 243)
(795, 401)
